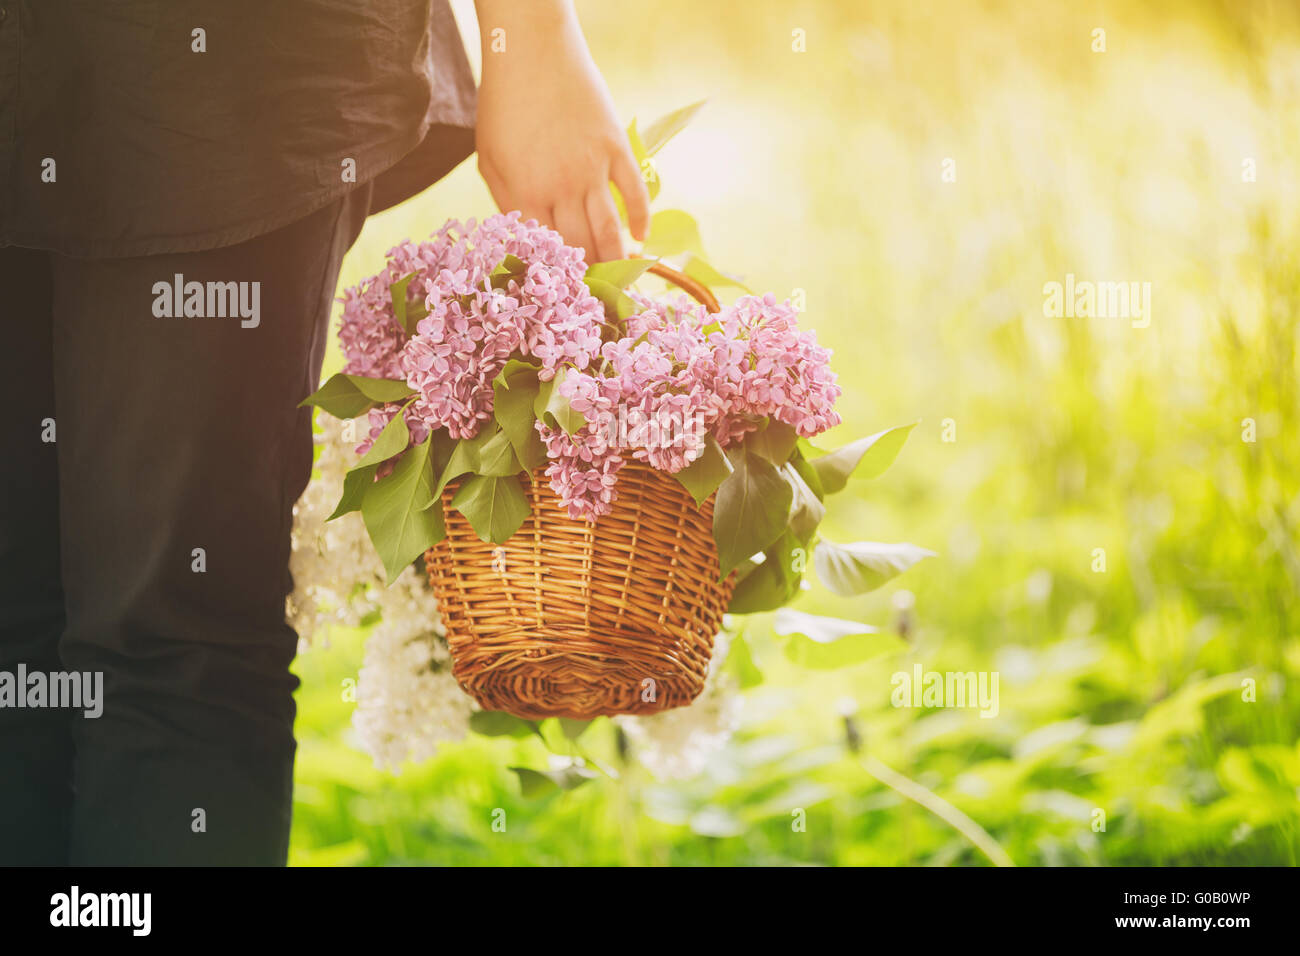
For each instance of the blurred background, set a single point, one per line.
(1160, 690)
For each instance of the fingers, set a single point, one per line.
(543, 214)
(627, 177)
(585, 217)
(571, 223)
(602, 220)
(507, 201)
(495, 184)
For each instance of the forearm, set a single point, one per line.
(549, 140)
(529, 30)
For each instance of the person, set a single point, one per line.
(180, 184)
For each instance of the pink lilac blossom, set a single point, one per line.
(582, 470)
(473, 328)
(369, 333)
(782, 372)
(678, 375)
(473, 324)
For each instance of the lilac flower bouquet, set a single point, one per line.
(493, 354)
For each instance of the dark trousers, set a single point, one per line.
(149, 542)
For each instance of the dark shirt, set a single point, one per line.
(156, 147)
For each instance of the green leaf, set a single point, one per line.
(640, 155)
(659, 132)
(634, 140)
(511, 266)
(703, 476)
(698, 269)
(853, 569)
(347, 396)
(618, 272)
(825, 643)
(823, 630)
(618, 304)
(808, 473)
(535, 783)
(495, 507)
(868, 456)
(773, 582)
(554, 409)
(775, 441)
(573, 729)
(740, 664)
(497, 723)
(510, 269)
(516, 390)
(806, 509)
(671, 232)
(444, 446)
(466, 456)
(752, 508)
(355, 484)
(391, 441)
(497, 457)
(396, 511)
(463, 460)
(382, 390)
(407, 314)
(619, 204)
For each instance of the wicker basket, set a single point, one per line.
(578, 620)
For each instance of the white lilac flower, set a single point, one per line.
(407, 700)
(677, 744)
(337, 576)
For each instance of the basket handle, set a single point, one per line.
(696, 289)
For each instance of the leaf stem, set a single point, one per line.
(941, 808)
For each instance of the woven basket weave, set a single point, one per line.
(578, 620)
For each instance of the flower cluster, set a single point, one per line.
(677, 376)
(407, 700)
(337, 577)
(478, 313)
(672, 377)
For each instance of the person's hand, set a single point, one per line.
(549, 142)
